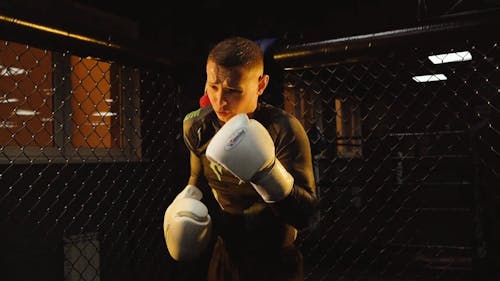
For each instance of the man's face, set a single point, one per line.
(233, 90)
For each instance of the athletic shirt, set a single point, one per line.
(240, 203)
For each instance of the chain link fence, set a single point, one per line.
(404, 131)
(407, 168)
(88, 155)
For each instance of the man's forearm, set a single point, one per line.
(299, 208)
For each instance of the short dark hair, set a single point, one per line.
(237, 52)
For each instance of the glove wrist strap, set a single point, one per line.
(273, 184)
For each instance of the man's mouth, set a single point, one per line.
(223, 113)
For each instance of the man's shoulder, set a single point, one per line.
(276, 114)
(196, 128)
(192, 114)
(197, 116)
(279, 122)
(198, 113)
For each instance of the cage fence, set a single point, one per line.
(88, 150)
(406, 165)
(405, 146)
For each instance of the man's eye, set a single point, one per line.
(233, 91)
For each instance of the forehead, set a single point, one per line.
(232, 76)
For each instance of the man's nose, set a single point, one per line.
(221, 98)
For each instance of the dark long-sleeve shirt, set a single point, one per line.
(243, 209)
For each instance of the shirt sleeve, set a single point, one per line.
(195, 168)
(300, 208)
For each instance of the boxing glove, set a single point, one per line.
(244, 147)
(187, 225)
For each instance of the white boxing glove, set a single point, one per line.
(187, 225)
(244, 147)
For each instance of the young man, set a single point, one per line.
(255, 159)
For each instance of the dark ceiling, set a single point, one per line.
(218, 18)
(188, 28)
(298, 20)
(183, 28)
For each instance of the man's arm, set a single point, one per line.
(187, 224)
(300, 207)
(196, 169)
(245, 148)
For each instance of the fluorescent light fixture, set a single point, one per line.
(11, 71)
(429, 78)
(7, 124)
(7, 100)
(26, 112)
(104, 113)
(108, 100)
(451, 57)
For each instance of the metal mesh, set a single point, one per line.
(88, 148)
(407, 171)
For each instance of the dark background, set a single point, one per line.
(191, 27)
(181, 32)
(124, 201)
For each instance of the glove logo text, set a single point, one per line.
(234, 139)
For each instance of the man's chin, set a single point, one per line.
(224, 117)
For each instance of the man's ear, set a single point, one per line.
(263, 82)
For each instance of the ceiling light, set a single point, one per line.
(104, 113)
(12, 71)
(429, 78)
(451, 57)
(26, 112)
(8, 100)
